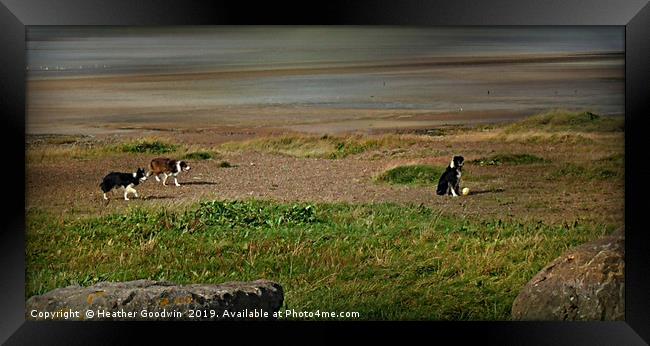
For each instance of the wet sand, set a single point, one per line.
(424, 92)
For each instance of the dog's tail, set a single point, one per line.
(150, 172)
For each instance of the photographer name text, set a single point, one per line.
(186, 314)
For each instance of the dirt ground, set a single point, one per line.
(515, 192)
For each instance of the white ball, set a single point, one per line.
(465, 191)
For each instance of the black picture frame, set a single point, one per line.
(634, 15)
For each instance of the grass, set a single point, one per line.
(225, 164)
(533, 138)
(617, 160)
(330, 147)
(199, 155)
(423, 175)
(582, 173)
(62, 139)
(387, 261)
(53, 139)
(512, 159)
(562, 120)
(47, 154)
(149, 146)
(608, 167)
(383, 260)
(57, 151)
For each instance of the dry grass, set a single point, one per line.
(331, 147)
(563, 120)
(60, 149)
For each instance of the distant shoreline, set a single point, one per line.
(416, 94)
(334, 67)
(341, 127)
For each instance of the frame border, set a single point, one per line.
(633, 14)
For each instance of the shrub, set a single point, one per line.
(513, 159)
(412, 175)
(148, 146)
(198, 155)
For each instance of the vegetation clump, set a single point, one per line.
(512, 159)
(412, 175)
(561, 120)
(149, 146)
(328, 147)
(198, 155)
(595, 172)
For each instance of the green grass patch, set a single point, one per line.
(330, 147)
(423, 175)
(199, 155)
(595, 172)
(617, 160)
(510, 159)
(385, 261)
(149, 146)
(225, 164)
(560, 120)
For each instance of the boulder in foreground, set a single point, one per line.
(586, 283)
(158, 300)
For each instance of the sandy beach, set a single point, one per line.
(335, 99)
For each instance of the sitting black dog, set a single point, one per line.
(449, 183)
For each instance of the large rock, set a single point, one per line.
(157, 300)
(586, 283)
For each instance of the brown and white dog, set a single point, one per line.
(167, 167)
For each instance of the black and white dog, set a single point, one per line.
(126, 180)
(449, 183)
